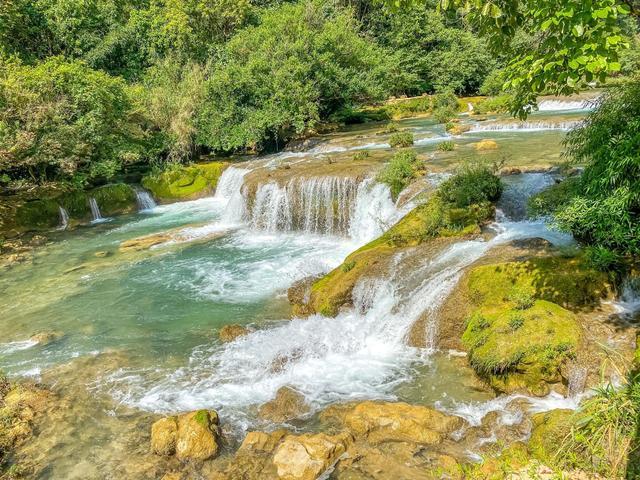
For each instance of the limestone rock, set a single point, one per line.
(306, 457)
(45, 338)
(229, 333)
(192, 436)
(163, 436)
(486, 145)
(386, 421)
(197, 437)
(262, 442)
(287, 405)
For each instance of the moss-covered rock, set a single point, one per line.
(549, 431)
(40, 214)
(115, 199)
(520, 331)
(426, 222)
(185, 182)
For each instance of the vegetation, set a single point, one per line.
(446, 146)
(399, 172)
(401, 140)
(602, 207)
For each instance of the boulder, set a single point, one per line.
(192, 436)
(395, 421)
(164, 433)
(185, 182)
(45, 338)
(261, 442)
(197, 437)
(485, 145)
(549, 430)
(308, 456)
(253, 460)
(287, 405)
(229, 333)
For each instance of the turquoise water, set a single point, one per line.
(137, 331)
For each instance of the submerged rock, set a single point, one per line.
(308, 456)
(287, 405)
(191, 436)
(45, 338)
(229, 333)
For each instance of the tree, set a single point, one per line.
(300, 64)
(62, 120)
(576, 41)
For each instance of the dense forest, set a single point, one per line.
(87, 87)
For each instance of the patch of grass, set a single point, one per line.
(447, 146)
(399, 172)
(348, 266)
(516, 321)
(391, 127)
(401, 140)
(522, 299)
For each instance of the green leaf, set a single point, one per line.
(578, 30)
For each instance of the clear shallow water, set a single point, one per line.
(156, 313)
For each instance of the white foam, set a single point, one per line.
(11, 347)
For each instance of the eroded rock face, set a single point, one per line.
(306, 457)
(287, 405)
(384, 421)
(192, 436)
(229, 333)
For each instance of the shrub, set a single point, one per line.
(603, 259)
(493, 83)
(446, 146)
(522, 299)
(399, 172)
(401, 140)
(391, 127)
(473, 183)
(444, 114)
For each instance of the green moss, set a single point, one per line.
(114, 199)
(77, 205)
(38, 215)
(548, 433)
(202, 417)
(518, 334)
(185, 182)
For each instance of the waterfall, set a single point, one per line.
(628, 304)
(64, 218)
(340, 206)
(229, 189)
(96, 216)
(144, 199)
(529, 126)
(562, 105)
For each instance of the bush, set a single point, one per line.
(399, 172)
(447, 146)
(444, 114)
(603, 259)
(62, 120)
(493, 83)
(501, 104)
(391, 127)
(401, 140)
(474, 183)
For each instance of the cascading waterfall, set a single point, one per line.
(145, 200)
(64, 218)
(342, 206)
(229, 189)
(531, 126)
(96, 216)
(361, 353)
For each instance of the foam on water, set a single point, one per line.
(566, 105)
(528, 126)
(11, 347)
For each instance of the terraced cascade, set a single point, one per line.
(181, 309)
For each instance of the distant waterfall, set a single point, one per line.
(532, 126)
(96, 216)
(562, 105)
(64, 218)
(145, 200)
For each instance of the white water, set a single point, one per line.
(566, 105)
(145, 201)
(95, 211)
(628, 304)
(336, 206)
(528, 126)
(64, 218)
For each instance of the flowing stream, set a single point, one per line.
(138, 329)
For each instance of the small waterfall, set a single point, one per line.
(64, 218)
(518, 189)
(562, 105)
(230, 189)
(374, 211)
(529, 126)
(144, 199)
(96, 216)
(628, 304)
